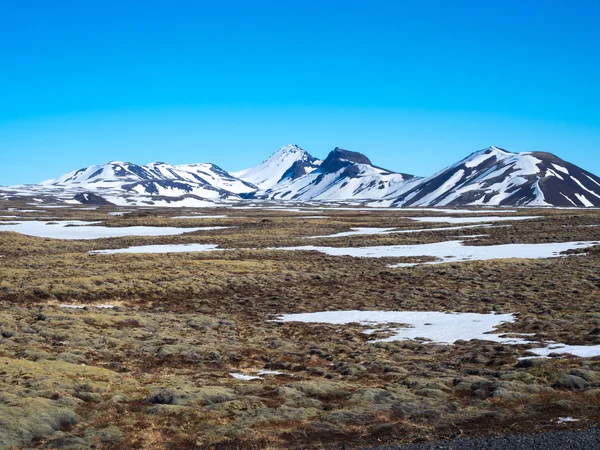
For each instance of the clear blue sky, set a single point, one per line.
(416, 85)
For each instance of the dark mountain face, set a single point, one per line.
(340, 158)
(154, 187)
(571, 186)
(300, 168)
(89, 198)
(497, 177)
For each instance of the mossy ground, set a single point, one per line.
(154, 372)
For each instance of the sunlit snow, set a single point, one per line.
(472, 219)
(450, 251)
(167, 248)
(200, 217)
(438, 327)
(373, 230)
(241, 376)
(76, 229)
(583, 351)
(434, 326)
(86, 306)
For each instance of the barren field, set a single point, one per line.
(188, 351)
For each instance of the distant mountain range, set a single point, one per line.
(489, 177)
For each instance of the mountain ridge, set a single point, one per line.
(488, 177)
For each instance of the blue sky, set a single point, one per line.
(415, 85)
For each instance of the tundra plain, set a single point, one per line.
(179, 350)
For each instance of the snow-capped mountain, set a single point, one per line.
(156, 180)
(491, 176)
(342, 175)
(494, 176)
(287, 163)
(116, 173)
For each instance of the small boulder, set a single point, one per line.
(571, 382)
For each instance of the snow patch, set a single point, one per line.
(86, 306)
(167, 248)
(450, 251)
(75, 229)
(433, 326)
(241, 376)
(471, 219)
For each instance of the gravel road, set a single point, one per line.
(560, 440)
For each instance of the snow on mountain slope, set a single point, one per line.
(216, 177)
(114, 179)
(342, 175)
(115, 173)
(491, 176)
(494, 176)
(290, 161)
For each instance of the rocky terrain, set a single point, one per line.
(191, 354)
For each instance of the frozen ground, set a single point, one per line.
(168, 248)
(373, 230)
(200, 217)
(583, 351)
(449, 251)
(472, 219)
(77, 229)
(437, 327)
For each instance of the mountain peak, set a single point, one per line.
(339, 158)
(289, 148)
(268, 173)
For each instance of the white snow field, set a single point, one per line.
(449, 251)
(241, 376)
(373, 230)
(86, 306)
(77, 229)
(356, 232)
(583, 351)
(200, 217)
(167, 248)
(438, 327)
(472, 219)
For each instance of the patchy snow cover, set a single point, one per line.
(356, 231)
(472, 219)
(449, 251)
(76, 229)
(566, 419)
(86, 306)
(167, 248)
(200, 217)
(374, 230)
(310, 217)
(583, 351)
(434, 326)
(437, 327)
(282, 209)
(271, 372)
(25, 210)
(241, 376)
